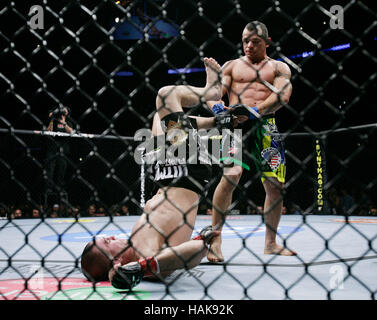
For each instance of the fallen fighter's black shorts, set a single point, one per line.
(195, 177)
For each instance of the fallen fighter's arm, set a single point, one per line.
(185, 255)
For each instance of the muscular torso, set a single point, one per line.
(246, 81)
(168, 216)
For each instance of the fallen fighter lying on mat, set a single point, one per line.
(160, 241)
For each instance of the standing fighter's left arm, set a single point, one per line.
(282, 90)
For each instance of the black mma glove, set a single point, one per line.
(224, 120)
(244, 110)
(128, 276)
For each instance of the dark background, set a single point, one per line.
(76, 62)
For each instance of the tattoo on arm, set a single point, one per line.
(283, 71)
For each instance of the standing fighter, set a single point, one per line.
(160, 241)
(262, 85)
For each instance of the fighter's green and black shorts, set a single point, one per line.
(266, 147)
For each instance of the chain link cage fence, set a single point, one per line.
(106, 61)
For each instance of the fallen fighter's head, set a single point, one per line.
(100, 255)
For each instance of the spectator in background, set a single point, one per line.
(101, 212)
(16, 214)
(284, 210)
(124, 210)
(209, 211)
(372, 210)
(35, 214)
(54, 213)
(91, 211)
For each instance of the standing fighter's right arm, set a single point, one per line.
(282, 90)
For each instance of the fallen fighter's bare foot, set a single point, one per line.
(278, 250)
(213, 83)
(214, 252)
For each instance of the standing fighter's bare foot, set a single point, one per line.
(213, 84)
(278, 250)
(214, 253)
